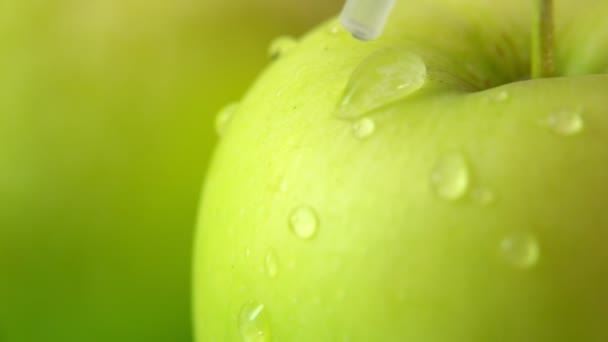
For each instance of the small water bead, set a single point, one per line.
(565, 122)
(334, 28)
(284, 185)
(520, 250)
(450, 177)
(483, 196)
(304, 222)
(223, 118)
(278, 183)
(384, 77)
(281, 46)
(363, 128)
(500, 96)
(271, 264)
(254, 324)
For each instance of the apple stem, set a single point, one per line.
(543, 45)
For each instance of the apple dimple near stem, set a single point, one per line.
(366, 19)
(390, 75)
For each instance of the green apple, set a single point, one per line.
(420, 187)
(105, 128)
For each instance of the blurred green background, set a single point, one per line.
(106, 127)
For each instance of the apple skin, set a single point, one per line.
(390, 260)
(105, 130)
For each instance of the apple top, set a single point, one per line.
(365, 19)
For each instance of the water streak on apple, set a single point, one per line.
(303, 222)
(254, 324)
(281, 46)
(520, 250)
(271, 264)
(450, 177)
(386, 76)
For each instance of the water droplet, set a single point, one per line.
(303, 222)
(247, 252)
(284, 186)
(271, 264)
(565, 122)
(281, 46)
(279, 182)
(254, 324)
(384, 77)
(334, 28)
(450, 177)
(223, 118)
(483, 196)
(500, 96)
(363, 128)
(520, 250)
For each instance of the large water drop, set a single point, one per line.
(384, 77)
